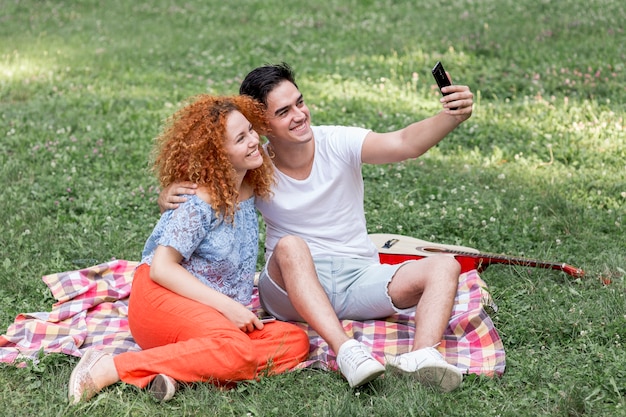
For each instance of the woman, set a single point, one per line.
(187, 304)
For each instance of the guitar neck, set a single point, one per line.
(398, 248)
(485, 259)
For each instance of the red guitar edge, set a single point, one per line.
(468, 259)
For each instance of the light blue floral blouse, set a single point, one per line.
(221, 255)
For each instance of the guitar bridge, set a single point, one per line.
(390, 243)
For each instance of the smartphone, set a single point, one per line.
(267, 319)
(441, 77)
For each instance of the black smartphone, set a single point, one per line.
(441, 77)
(267, 319)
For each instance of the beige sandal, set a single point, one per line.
(81, 386)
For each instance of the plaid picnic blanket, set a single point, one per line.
(92, 306)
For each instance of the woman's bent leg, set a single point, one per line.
(192, 342)
(182, 338)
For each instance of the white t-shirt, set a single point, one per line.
(326, 209)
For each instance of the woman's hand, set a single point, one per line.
(243, 318)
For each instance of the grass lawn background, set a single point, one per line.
(538, 171)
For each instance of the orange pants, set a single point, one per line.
(192, 342)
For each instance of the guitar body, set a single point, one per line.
(393, 249)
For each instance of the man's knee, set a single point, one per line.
(449, 266)
(290, 245)
(436, 270)
(445, 273)
(291, 258)
(291, 252)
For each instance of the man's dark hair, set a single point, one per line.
(262, 80)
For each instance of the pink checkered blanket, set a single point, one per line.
(92, 306)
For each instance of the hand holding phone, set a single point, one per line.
(441, 77)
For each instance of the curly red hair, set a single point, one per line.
(191, 148)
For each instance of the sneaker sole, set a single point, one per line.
(368, 378)
(162, 388)
(439, 377)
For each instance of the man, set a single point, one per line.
(321, 265)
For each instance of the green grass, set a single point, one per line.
(538, 171)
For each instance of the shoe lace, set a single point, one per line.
(411, 360)
(356, 355)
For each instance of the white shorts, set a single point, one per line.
(356, 288)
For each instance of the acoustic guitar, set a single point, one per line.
(393, 249)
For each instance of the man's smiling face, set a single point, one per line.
(289, 117)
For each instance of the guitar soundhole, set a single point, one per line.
(433, 250)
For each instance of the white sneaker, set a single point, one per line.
(429, 368)
(357, 364)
